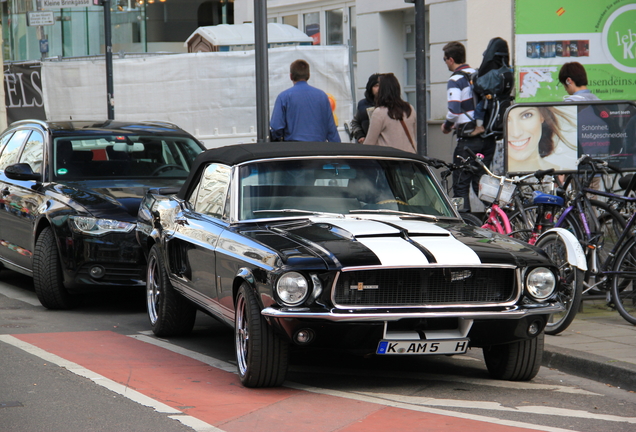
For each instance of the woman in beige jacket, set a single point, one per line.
(393, 122)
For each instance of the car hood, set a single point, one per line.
(391, 242)
(113, 198)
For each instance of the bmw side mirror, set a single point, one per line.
(22, 171)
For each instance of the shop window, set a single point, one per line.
(291, 20)
(312, 26)
(333, 19)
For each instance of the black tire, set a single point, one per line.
(261, 355)
(517, 361)
(623, 289)
(47, 274)
(471, 219)
(170, 313)
(571, 280)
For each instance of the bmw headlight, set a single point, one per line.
(94, 226)
(540, 283)
(292, 288)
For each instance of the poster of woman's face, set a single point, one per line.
(541, 137)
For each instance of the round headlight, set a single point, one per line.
(540, 283)
(292, 288)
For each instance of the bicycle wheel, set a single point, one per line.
(571, 281)
(623, 289)
(471, 219)
(611, 225)
(520, 229)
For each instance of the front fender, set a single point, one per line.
(574, 250)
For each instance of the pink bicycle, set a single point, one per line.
(531, 219)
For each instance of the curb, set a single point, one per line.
(586, 365)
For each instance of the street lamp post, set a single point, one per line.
(108, 51)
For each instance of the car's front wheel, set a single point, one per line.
(261, 355)
(47, 274)
(169, 312)
(517, 361)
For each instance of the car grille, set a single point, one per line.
(425, 287)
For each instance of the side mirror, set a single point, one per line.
(22, 171)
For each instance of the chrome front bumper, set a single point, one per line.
(341, 315)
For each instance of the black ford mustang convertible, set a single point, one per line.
(338, 245)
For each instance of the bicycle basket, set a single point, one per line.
(489, 186)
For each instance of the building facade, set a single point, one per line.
(380, 33)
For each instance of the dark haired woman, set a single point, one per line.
(360, 122)
(535, 133)
(393, 122)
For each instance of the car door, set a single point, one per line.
(21, 200)
(198, 226)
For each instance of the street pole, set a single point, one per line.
(420, 75)
(262, 71)
(109, 61)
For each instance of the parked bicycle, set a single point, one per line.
(611, 266)
(535, 222)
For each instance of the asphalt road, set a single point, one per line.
(97, 368)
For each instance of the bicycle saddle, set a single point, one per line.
(539, 197)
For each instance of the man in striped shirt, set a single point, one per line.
(461, 110)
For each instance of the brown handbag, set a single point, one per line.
(408, 134)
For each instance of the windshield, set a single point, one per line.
(340, 186)
(86, 158)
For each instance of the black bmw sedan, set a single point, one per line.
(70, 193)
(343, 246)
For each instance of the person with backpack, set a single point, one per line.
(460, 118)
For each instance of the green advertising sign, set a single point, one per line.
(599, 34)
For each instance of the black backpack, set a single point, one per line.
(493, 83)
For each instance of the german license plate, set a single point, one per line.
(419, 347)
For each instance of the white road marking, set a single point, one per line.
(133, 395)
(19, 294)
(515, 385)
(495, 406)
(396, 404)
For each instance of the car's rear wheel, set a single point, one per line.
(47, 274)
(517, 361)
(169, 312)
(261, 355)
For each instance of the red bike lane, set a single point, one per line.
(217, 397)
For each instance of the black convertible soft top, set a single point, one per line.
(239, 153)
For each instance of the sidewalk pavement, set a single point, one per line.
(599, 345)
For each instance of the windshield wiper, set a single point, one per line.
(408, 215)
(311, 212)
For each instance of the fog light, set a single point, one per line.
(534, 328)
(97, 272)
(303, 337)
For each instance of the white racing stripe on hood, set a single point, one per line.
(448, 250)
(394, 251)
(358, 227)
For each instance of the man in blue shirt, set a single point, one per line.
(303, 112)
